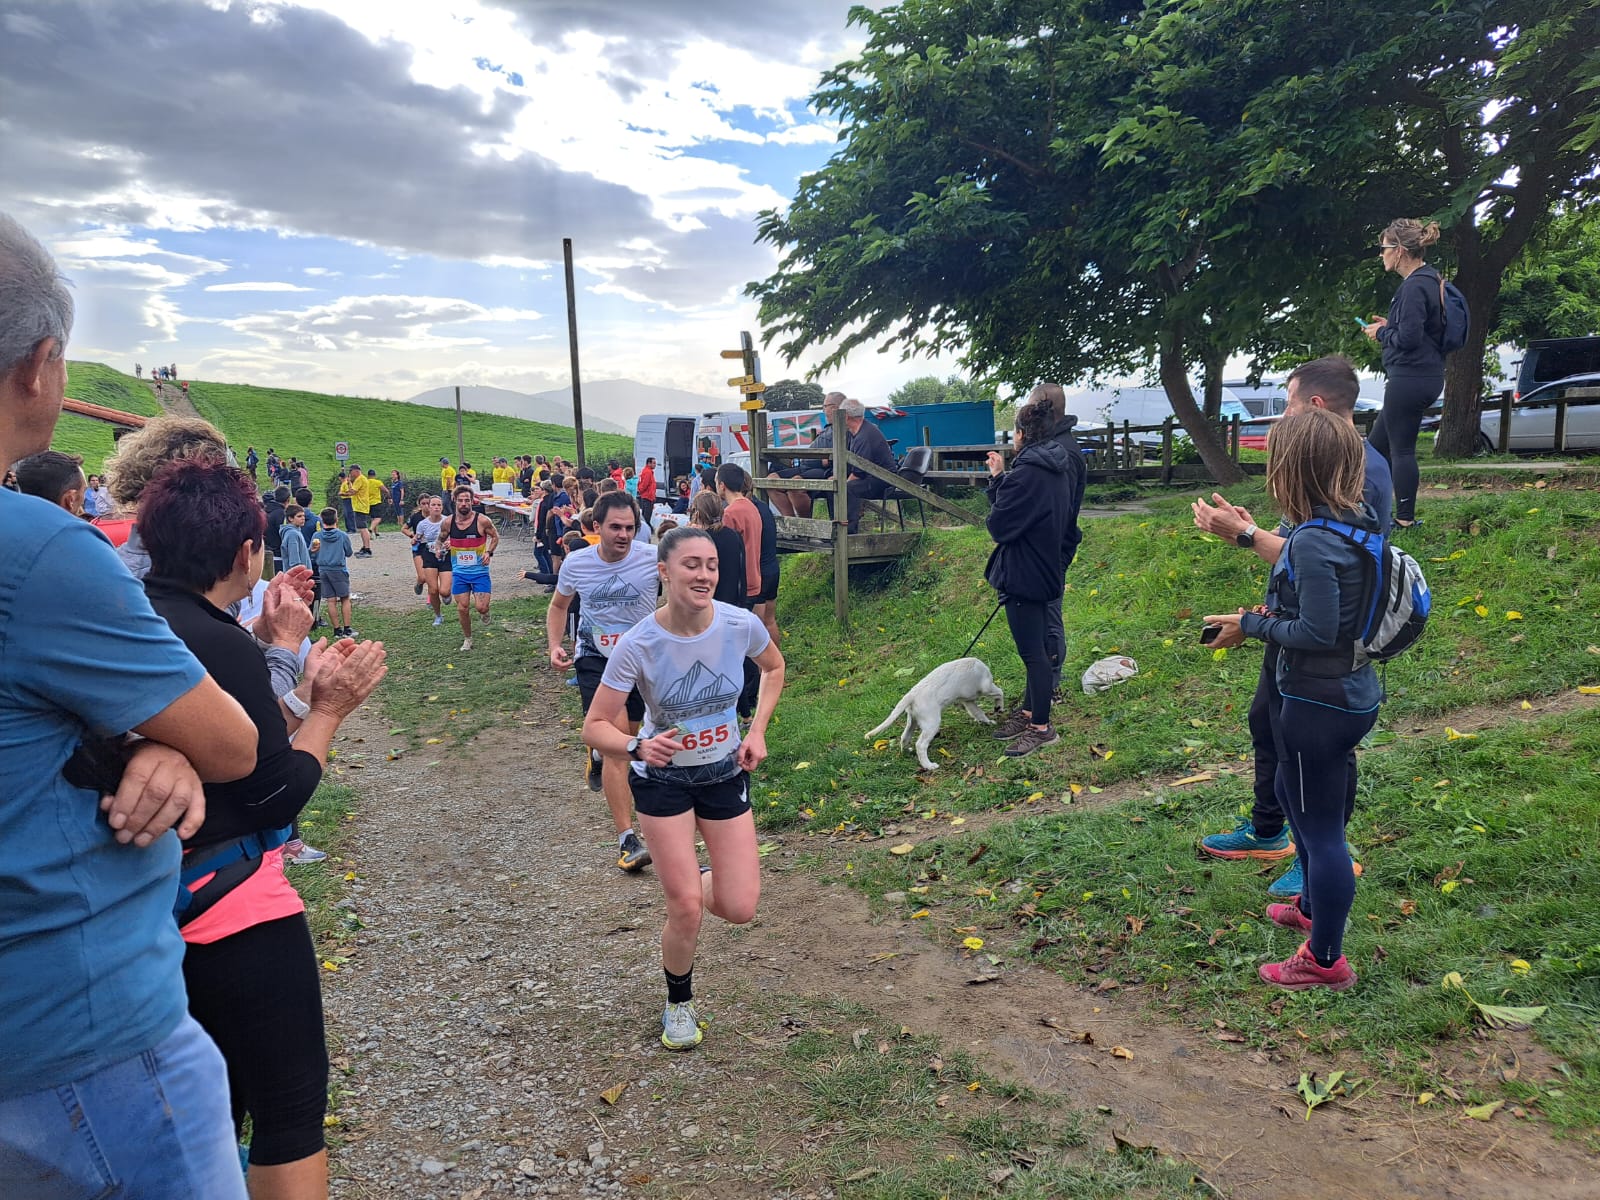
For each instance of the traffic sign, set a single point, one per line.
(739, 380)
(750, 389)
(341, 450)
(733, 354)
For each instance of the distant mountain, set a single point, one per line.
(609, 405)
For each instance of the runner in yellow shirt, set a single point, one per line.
(377, 497)
(447, 476)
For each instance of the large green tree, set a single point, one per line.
(792, 395)
(1554, 290)
(930, 389)
(1075, 189)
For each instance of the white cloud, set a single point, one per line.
(257, 287)
(359, 323)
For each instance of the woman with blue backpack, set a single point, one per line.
(1318, 600)
(1415, 337)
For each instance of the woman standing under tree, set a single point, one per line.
(1412, 337)
(690, 768)
(1028, 516)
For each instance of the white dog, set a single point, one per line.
(961, 682)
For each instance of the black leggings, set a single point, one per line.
(1267, 815)
(1027, 621)
(1314, 744)
(1394, 434)
(257, 994)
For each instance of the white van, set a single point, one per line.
(669, 439)
(1096, 409)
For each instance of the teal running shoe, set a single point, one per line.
(1243, 843)
(1292, 882)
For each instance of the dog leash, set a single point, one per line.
(979, 634)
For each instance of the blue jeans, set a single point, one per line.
(156, 1126)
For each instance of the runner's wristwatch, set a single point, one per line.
(1246, 538)
(633, 749)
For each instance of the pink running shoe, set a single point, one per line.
(1300, 972)
(1289, 915)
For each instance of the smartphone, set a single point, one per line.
(1209, 634)
(1361, 323)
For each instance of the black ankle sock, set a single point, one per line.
(680, 988)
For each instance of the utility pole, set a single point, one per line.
(572, 337)
(461, 445)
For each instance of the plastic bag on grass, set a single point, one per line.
(1107, 672)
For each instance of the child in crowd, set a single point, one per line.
(331, 549)
(293, 538)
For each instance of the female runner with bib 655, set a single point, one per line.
(690, 766)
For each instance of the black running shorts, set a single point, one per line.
(710, 801)
(590, 667)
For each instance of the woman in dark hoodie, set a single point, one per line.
(1413, 355)
(1028, 516)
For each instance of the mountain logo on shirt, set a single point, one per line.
(698, 690)
(615, 592)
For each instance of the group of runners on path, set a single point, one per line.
(451, 556)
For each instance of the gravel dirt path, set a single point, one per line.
(507, 974)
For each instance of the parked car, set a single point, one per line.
(1533, 420)
(1547, 360)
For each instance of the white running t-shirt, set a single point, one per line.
(691, 684)
(612, 597)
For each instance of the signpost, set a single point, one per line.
(341, 451)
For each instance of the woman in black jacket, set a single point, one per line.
(1027, 519)
(1413, 356)
(250, 965)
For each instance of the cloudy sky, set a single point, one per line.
(370, 195)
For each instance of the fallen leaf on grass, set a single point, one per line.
(801, 766)
(863, 1173)
(1452, 735)
(973, 943)
(614, 1093)
(1589, 691)
(1424, 1097)
(1484, 1112)
(881, 744)
(1121, 1052)
(766, 848)
(902, 848)
(1203, 777)
(434, 741)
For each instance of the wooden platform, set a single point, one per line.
(809, 535)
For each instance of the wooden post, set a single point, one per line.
(1561, 425)
(1127, 445)
(1233, 435)
(572, 339)
(1505, 422)
(461, 445)
(1166, 451)
(841, 527)
(758, 450)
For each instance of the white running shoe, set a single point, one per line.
(466, 643)
(680, 1027)
(438, 620)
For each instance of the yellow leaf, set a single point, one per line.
(1521, 964)
(1037, 796)
(349, 876)
(983, 891)
(1220, 653)
(1513, 615)
(1589, 691)
(902, 848)
(958, 820)
(1200, 778)
(919, 891)
(434, 741)
(449, 666)
(881, 744)
(1480, 610)
(1526, 707)
(801, 766)
(433, 697)
(842, 682)
(1453, 979)
(974, 1086)
(1121, 1052)
(919, 914)
(973, 943)
(1452, 735)
(1088, 895)
(1109, 754)
(330, 1121)
(614, 1093)
(1449, 885)
(1424, 1097)
(328, 966)
(945, 752)
(1077, 788)
(1484, 1112)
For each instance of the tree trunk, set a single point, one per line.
(1463, 370)
(1213, 365)
(1175, 379)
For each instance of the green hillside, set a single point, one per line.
(383, 434)
(97, 383)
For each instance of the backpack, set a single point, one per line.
(1457, 317)
(1400, 603)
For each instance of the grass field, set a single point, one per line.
(97, 383)
(80, 435)
(383, 434)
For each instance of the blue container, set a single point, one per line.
(968, 423)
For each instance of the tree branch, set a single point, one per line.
(1025, 167)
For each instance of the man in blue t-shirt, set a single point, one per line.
(107, 1085)
(1328, 383)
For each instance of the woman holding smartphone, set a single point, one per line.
(1329, 694)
